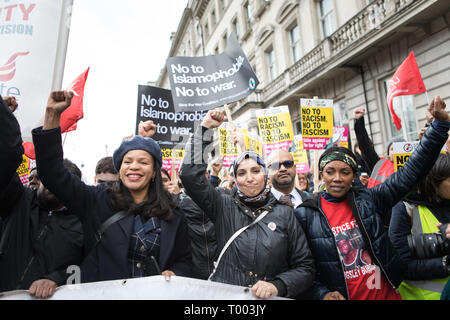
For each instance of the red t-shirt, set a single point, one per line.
(363, 282)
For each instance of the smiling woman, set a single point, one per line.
(344, 224)
(149, 227)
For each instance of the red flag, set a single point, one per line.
(74, 112)
(28, 148)
(406, 81)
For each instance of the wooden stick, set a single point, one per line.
(230, 121)
(316, 165)
(316, 171)
(173, 173)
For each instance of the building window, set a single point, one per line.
(248, 14)
(270, 58)
(213, 18)
(224, 41)
(294, 42)
(340, 113)
(404, 108)
(206, 30)
(327, 17)
(236, 27)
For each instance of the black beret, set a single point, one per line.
(137, 143)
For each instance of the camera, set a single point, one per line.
(429, 245)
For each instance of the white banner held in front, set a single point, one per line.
(148, 288)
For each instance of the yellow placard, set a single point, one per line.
(226, 145)
(317, 122)
(275, 128)
(400, 160)
(253, 144)
(300, 155)
(24, 167)
(172, 153)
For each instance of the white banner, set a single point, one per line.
(33, 41)
(148, 288)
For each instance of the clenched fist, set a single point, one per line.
(58, 101)
(359, 112)
(147, 129)
(437, 109)
(213, 119)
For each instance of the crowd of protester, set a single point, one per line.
(256, 224)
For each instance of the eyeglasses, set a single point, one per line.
(277, 165)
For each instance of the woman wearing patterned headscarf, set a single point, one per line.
(272, 255)
(343, 210)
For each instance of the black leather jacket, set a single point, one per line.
(279, 255)
(203, 237)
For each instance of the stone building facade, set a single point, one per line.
(345, 50)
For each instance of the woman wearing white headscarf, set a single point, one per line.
(272, 255)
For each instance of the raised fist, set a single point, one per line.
(437, 109)
(213, 119)
(59, 101)
(359, 112)
(147, 129)
(11, 103)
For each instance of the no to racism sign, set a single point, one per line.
(227, 148)
(204, 83)
(317, 122)
(275, 128)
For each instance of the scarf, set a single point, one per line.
(338, 156)
(262, 197)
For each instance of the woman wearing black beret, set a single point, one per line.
(132, 227)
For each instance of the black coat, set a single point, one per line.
(400, 228)
(37, 244)
(259, 253)
(368, 206)
(203, 237)
(93, 205)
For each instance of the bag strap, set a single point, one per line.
(108, 222)
(234, 236)
(413, 212)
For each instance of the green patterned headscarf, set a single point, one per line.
(338, 156)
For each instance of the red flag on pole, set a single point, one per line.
(74, 112)
(406, 81)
